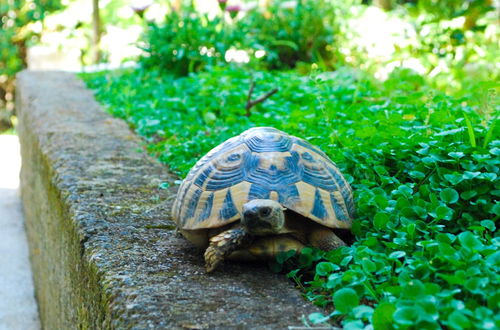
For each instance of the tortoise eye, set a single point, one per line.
(234, 157)
(264, 212)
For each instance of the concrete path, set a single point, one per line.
(17, 303)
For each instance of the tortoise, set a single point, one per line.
(261, 193)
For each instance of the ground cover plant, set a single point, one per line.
(424, 167)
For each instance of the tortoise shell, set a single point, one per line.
(263, 163)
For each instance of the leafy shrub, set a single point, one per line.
(424, 166)
(454, 42)
(455, 34)
(445, 10)
(15, 34)
(294, 32)
(288, 33)
(185, 42)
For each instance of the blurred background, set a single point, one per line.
(449, 41)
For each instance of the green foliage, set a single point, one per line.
(296, 32)
(424, 167)
(288, 33)
(453, 38)
(15, 17)
(454, 42)
(15, 34)
(449, 9)
(186, 42)
(435, 247)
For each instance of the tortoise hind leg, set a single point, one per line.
(325, 239)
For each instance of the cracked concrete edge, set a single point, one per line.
(102, 248)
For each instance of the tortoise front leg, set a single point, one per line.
(325, 239)
(223, 244)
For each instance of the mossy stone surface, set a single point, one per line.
(103, 250)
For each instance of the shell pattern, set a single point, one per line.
(263, 163)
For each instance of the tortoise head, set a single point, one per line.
(263, 217)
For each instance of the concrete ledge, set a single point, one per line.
(103, 250)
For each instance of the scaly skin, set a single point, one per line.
(325, 239)
(223, 244)
(237, 239)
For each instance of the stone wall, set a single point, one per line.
(103, 248)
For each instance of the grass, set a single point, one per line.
(424, 167)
